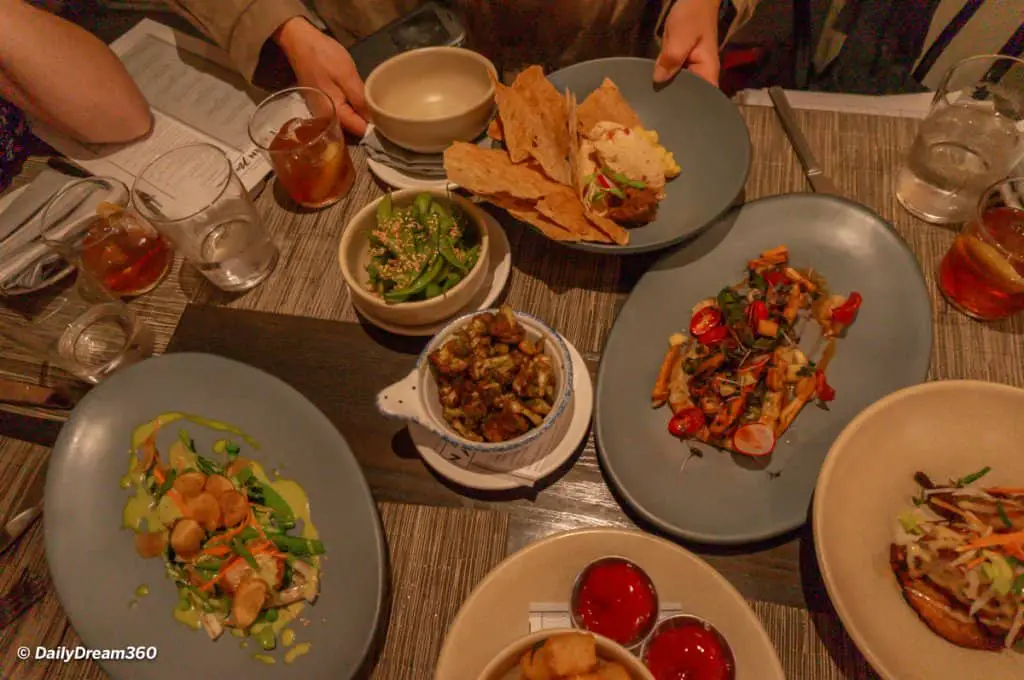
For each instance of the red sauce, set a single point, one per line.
(616, 600)
(689, 652)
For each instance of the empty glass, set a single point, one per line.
(88, 222)
(973, 136)
(84, 329)
(298, 131)
(193, 197)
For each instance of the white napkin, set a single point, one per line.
(429, 165)
(25, 261)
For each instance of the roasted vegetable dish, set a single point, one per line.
(240, 548)
(569, 656)
(420, 251)
(958, 555)
(495, 383)
(739, 378)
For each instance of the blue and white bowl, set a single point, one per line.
(415, 397)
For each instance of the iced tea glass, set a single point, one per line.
(298, 130)
(91, 225)
(982, 275)
(194, 198)
(972, 137)
(85, 329)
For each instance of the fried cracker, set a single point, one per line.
(490, 171)
(494, 130)
(527, 134)
(606, 103)
(564, 208)
(544, 98)
(524, 211)
(615, 232)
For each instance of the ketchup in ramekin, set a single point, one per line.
(688, 648)
(615, 598)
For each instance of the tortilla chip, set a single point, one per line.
(490, 171)
(613, 230)
(564, 208)
(494, 130)
(574, 143)
(606, 103)
(526, 133)
(525, 211)
(545, 100)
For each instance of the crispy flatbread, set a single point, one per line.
(494, 130)
(490, 171)
(544, 98)
(527, 133)
(613, 230)
(606, 103)
(564, 208)
(524, 211)
(574, 144)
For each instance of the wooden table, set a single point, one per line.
(580, 295)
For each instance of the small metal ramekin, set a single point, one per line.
(683, 620)
(577, 622)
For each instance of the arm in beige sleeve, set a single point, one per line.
(65, 77)
(240, 27)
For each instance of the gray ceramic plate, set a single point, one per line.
(694, 121)
(94, 565)
(725, 498)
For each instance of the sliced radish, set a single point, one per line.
(755, 439)
(710, 302)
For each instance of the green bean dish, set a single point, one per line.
(420, 251)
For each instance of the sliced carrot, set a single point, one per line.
(992, 540)
(977, 561)
(217, 550)
(948, 506)
(159, 475)
(1005, 490)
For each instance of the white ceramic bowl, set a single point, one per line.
(415, 397)
(505, 665)
(425, 99)
(354, 255)
(946, 429)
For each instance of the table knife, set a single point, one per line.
(815, 175)
(28, 512)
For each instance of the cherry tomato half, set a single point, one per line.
(687, 422)
(715, 335)
(822, 388)
(845, 312)
(706, 319)
(756, 311)
(774, 277)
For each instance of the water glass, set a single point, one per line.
(195, 199)
(972, 137)
(91, 225)
(298, 131)
(982, 275)
(84, 329)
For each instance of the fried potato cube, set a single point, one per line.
(536, 664)
(572, 653)
(612, 671)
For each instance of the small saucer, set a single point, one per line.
(457, 465)
(402, 180)
(500, 267)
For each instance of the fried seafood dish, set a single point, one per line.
(240, 548)
(575, 173)
(569, 656)
(739, 379)
(958, 557)
(494, 382)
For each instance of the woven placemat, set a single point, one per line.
(811, 645)
(437, 556)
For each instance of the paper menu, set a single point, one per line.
(195, 95)
(898, 105)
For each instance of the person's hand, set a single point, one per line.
(318, 61)
(690, 39)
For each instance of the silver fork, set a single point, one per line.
(26, 591)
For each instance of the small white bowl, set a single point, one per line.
(505, 666)
(354, 255)
(415, 397)
(425, 99)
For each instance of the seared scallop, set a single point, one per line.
(187, 538)
(205, 509)
(248, 601)
(271, 570)
(150, 543)
(218, 484)
(234, 507)
(190, 484)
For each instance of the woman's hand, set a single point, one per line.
(319, 61)
(690, 39)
